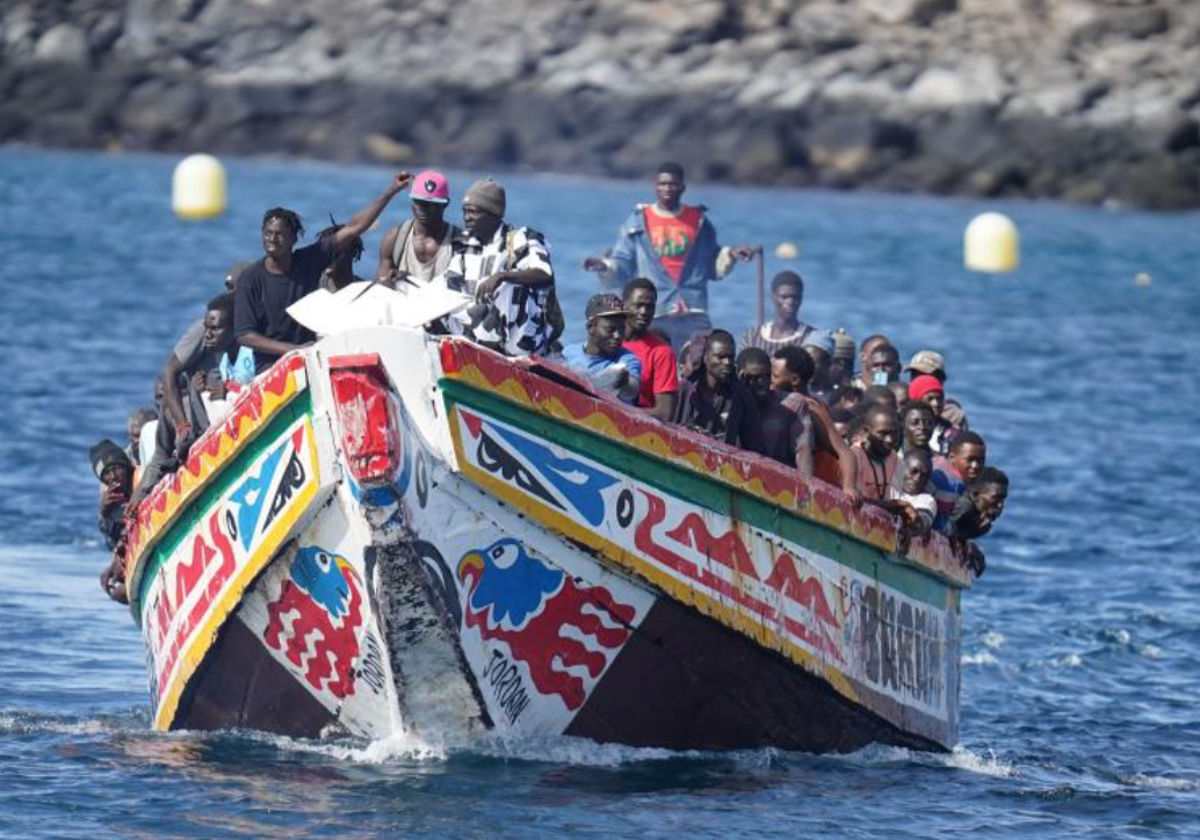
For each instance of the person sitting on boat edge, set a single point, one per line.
(611, 368)
(660, 370)
(981, 505)
(713, 402)
(791, 373)
(930, 363)
(787, 431)
(975, 513)
(419, 249)
(785, 328)
(508, 271)
(196, 378)
(951, 474)
(675, 245)
(286, 274)
(114, 471)
(877, 462)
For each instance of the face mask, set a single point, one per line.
(879, 377)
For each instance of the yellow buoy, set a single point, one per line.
(991, 243)
(198, 188)
(786, 251)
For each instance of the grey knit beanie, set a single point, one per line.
(488, 195)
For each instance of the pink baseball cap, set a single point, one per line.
(431, 186)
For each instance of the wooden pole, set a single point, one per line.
(762, 284)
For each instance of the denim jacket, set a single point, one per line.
(634, 256)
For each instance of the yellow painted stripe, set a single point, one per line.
(685, 593)
(203, 638)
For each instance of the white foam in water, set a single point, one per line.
(1152, 651)
(574, 751)
(1160, 782)
(399, 747)
(1071, 660)
(961, 758)
(993, 639)
(984, 657)
(25, 724)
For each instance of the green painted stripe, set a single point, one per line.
(230, 473)
(709, 492)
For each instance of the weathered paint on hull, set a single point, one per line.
(540, 562)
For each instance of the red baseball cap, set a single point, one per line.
(431, 186)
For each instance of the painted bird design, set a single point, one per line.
(516, 598)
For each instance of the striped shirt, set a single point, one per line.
(514, 321)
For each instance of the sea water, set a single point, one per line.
(1081, 644)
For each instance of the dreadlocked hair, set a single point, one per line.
(289, 217)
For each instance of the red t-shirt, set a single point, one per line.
(659, 372)
(673, 236)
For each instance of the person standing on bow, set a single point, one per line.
(675, 245)
(508, 271)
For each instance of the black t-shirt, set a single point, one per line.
(263, 298)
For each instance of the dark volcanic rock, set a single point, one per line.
(1089, 100)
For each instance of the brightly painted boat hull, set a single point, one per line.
(531, 560)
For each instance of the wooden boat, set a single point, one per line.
(393, 532)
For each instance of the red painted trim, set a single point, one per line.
(355, 360)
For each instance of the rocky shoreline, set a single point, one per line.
(1086, 100)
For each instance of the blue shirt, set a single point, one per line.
(604, 372)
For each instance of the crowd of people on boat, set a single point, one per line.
(788, 390)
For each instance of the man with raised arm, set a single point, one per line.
(286, 274)
(675, 245)
(419, 249)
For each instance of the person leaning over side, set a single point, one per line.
(714, 403)
(675, 245)
(601, 359)
(660, 369)
(287, 273)
(952, 474)
(508, 271)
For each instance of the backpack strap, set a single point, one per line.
(402, 237)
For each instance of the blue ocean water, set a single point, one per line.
(1081, 656)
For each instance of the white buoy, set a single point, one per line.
(1142, 278)
(992, 244)
(198, 188)
(786, 251)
